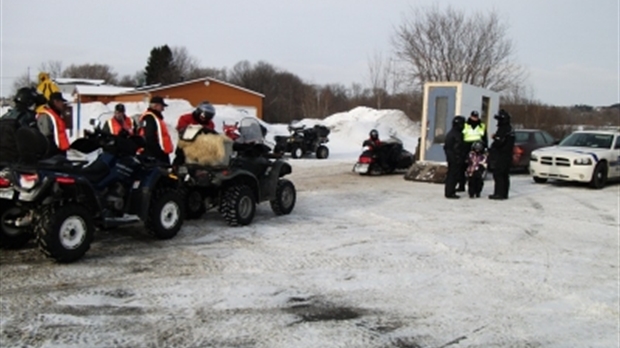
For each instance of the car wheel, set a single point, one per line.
(599, 176)
(64, 233)
(166, 213)
(322, 152)
(194, 204)
(12, 236)
(238, 205)
(539, 180)
(297, 151)
(284, 202)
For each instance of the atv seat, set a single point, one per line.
(95, 172)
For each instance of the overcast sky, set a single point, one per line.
(569, 47)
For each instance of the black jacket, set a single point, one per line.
(453, 146)
(502, 147)
(151, 137)
(9, 124)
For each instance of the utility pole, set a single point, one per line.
(28, 75)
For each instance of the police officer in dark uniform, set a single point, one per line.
(453, 147)
(501, 155)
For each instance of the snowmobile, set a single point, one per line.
(247, 173)
(386, 158)
(303, 141)
(101, 183)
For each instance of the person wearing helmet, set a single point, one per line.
(476, 165)
(202, 115)
(501, 155)
(453, 148)
(22, 115)
(120, 123)
(373, 139)
(474, 130)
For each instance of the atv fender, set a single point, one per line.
(278, 170)
(243, 176)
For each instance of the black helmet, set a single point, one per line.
(374, 135)
(503, 117)
(119, 108)
(458, 122)
(25, 97)
(205, 111)
(478, 146)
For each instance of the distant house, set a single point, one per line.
(101, 93)
(198, 90)
(67, 85)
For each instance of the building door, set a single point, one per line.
(441, 111)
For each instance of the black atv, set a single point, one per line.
(303, 141)
(106, 186)
(249, 174)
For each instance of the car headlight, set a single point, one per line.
(533, 158)
(583, 161)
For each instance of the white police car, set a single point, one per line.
(584, 156)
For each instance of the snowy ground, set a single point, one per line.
(361, 262)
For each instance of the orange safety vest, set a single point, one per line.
(165, 142)
(116, 128)
(60, 130)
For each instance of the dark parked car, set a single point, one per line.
(526, 141)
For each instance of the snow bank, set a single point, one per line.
(349, 129)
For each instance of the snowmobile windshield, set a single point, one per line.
(250, 131)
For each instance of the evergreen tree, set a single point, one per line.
(159, 66)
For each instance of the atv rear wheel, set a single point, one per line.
(238, 205)
(12, 236)
(64, 233)
(284, 202)
(194, 204)
(322, 152)
(166, 212)
(297, 151)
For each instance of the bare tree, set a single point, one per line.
(449, 46)
(23, 80)
(378, 71)
(52, 67)
(91, 71)
(182, 63)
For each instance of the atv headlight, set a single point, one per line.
(583, 161)
(533, 158)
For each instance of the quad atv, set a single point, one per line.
(101, 183)
(246, 175)
(386, 158)
(303, 141)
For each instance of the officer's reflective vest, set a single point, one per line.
(471, 134)
(60, 130)
(115, 127)
(165, 142)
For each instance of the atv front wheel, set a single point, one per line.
(12, 236)
(64, 233)
(165, 214)
(297, 151)
(284, 202)
(322, 152)
(194, 204)
(238, 205)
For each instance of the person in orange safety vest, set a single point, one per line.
(155, 132)
(120, 123)
(52, 125)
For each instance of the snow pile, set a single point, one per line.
(349, 129)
